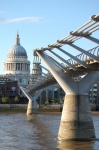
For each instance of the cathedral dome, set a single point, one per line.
(17, 50)
(17, 65)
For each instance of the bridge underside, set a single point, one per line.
(43, 86)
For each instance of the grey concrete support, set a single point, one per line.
(32, 104)
(88, 81)
(35, 107)
(30, 107)
(64, 80)
(76, 120)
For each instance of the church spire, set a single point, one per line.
(17, 39)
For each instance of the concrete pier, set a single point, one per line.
(32, 107)
(76, 120)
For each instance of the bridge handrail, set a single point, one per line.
(83, 57)
(84, 31)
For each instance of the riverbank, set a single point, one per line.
(13, 110)
(22, 108)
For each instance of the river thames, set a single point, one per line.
(39, 132)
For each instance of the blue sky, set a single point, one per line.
(40, 22)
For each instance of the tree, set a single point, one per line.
(46, 103)
(5, 99)
(16, 99)
(54, 100)
(63, 99)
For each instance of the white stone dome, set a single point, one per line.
(17, 50)
(17, 62)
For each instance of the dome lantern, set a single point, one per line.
(17, 50)
(17, 39)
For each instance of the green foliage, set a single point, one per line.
(62, 99)
(93, 107)
(5, 99)
(46, 103)
(50, 101)
(16, 99)
(54, 100)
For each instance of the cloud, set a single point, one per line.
(30, 19)
(2, 18)
(24, 19)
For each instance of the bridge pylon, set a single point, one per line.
(76, 120)
(32, 107)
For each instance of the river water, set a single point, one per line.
(38, 132)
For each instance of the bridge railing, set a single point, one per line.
(85, 58)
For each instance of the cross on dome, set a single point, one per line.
(17, 39)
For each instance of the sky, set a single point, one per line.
(40, 22)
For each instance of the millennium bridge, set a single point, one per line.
(76, 119)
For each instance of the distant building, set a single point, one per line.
(17, 65)
(36, 71)
(94, 94)
(8, 88)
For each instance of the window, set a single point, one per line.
(8, 87)
(20, 80)
(2, 88)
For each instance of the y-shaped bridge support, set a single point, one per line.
(76, 120)
(32, 104)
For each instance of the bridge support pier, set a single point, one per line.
(32, 107)
(32, 103)
(76, 120)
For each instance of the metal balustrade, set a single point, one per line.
(85, 58)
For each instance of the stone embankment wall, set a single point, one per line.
(48, 108)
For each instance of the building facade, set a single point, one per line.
(17, 65)
(94, 94)
(8, 88)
